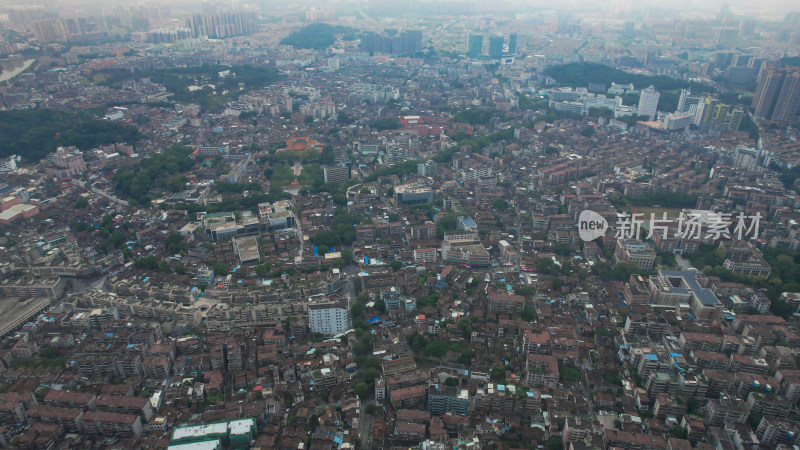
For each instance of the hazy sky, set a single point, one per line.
(772, 8)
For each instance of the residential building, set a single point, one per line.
(496, 44)
(635, 251)
(474, 44)
(541, 370)
(336, 174)
(777, 95)
(648, 102)
(329, 318)
(443, 398)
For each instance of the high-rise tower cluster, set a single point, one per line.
(777, 96)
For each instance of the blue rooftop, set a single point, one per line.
(704, 295)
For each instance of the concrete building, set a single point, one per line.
(412, 194)
(777, 96)
(9, 164)
(676, 288)
(423, 255)
(772, 431)
(205, 276)
(329, 318)
(236, 171)
(247, 250)
(635, 251)
(442, 399)
(474, 45)
(648, 102)
(336, 174)
(541, 370)
(496, 44)
(428, 169)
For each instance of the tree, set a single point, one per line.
(357, 310)
(361, 389)
(555, 443)
(315, 36)
(347, 256)
(163, 266)
(385, 124)
(308, 119)
(569, 373)
(451, 381)
(33, 133)
(562, 249)
(528, 315)
(465, 327)
(81, 203)
(147, 262)
(220, 269)
(500, 204)
(82, 226)
(175, 243)
(556, 283)
(436, 349)
(343, 117)
(261, 270)
(370, 409)
(326, 239)
(755, 418)
(180, 269)
(48, 352)
(498, 374)
(396, 265)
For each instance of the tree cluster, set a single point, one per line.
(33, 133)
(164, 170)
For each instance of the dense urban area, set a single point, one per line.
(399, 224)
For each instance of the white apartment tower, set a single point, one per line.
(648, 102)
(329, 318)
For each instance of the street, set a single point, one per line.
(365, 425)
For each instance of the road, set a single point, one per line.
(365, 425)
(80, 286)
(302, 243)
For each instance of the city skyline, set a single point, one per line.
(404, 224)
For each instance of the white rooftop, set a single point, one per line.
(200, 430)
(242, 426)
(204, 445)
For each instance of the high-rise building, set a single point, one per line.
(512, 43)
(496, 47)
(428, 169)
(390, 41)
(222, 25)
(336, 174)
(710, 114)
(474, 45)
(410, 41)
(769, 85)
(49, 30)
(648, 102)
(688, 102)
(329, 318)
(787, 105)
(777, 96)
